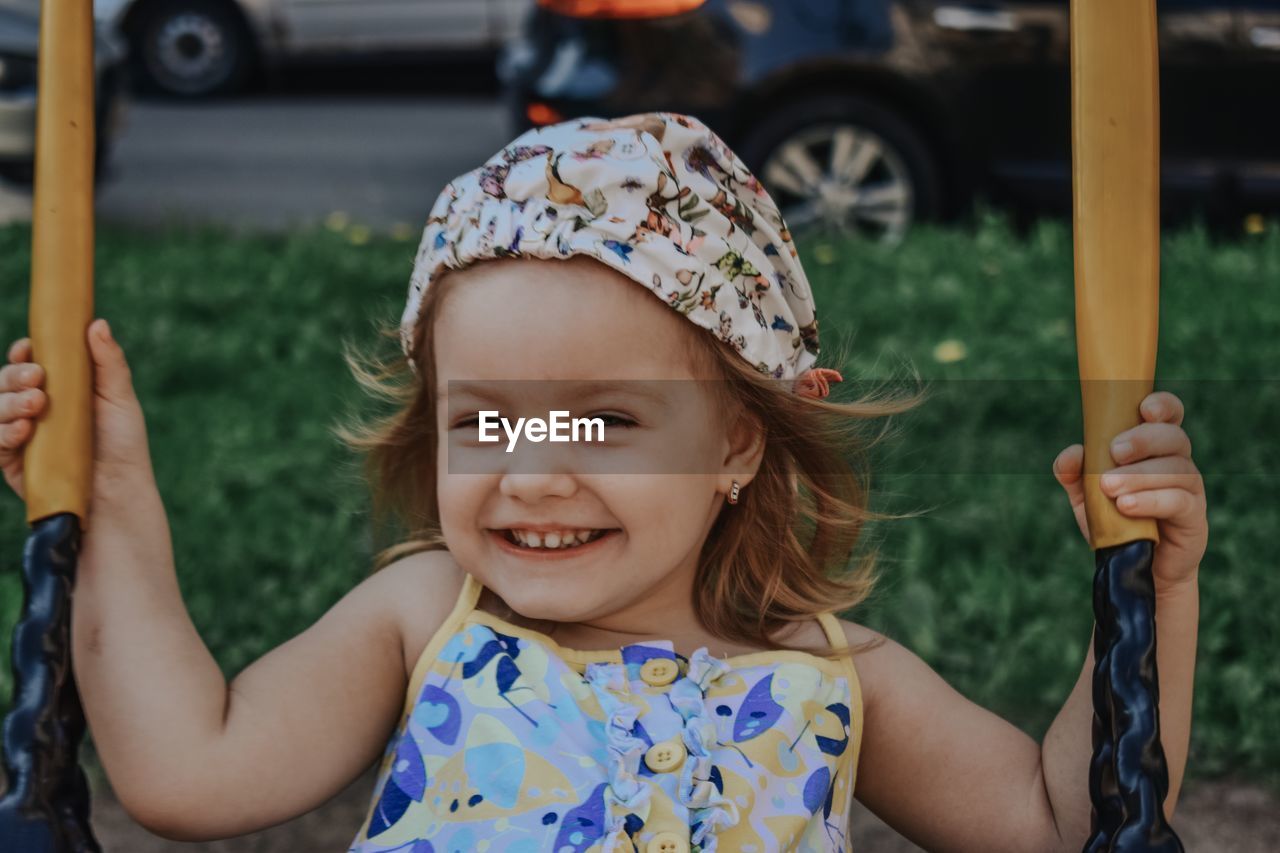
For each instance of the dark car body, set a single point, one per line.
(976, 96)
(19, 47)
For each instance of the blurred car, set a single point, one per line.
(196, 48)
(19, 47)
(868, 115)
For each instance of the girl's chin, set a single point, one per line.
(550, 604)
(554, 586)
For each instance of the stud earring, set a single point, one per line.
(733, 493)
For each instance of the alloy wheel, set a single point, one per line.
(191, 53)
(841, 179)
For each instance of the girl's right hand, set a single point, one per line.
(120, 436)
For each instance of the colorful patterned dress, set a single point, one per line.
(510, 742)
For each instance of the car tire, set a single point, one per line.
(888, 176)
(191, 49)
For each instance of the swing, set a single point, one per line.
(1115, 152)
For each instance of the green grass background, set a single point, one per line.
(234, 345)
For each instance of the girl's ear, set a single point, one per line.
(746, 445)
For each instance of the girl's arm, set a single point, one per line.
(952, 776)
(188, 756)
(193, 759)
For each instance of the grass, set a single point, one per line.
(233, 341)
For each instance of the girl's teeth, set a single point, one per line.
(552, 539)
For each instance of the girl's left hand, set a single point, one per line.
(1156, 479)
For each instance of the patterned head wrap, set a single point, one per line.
(658, 197)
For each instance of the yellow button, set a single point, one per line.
(665, 757)
(667, 842)
(658, 671)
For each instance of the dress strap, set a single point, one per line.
(835, 634)
(849, 758)
(468, 596)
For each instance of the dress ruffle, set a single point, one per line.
(711, 811)
(626, 792)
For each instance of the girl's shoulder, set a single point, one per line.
(861, 638)
(896, 683)
(427, 585)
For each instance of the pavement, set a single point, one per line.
(15, 206)
(277, 161)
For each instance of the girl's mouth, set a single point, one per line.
(551, 547)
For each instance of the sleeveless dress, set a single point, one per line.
(510, 742)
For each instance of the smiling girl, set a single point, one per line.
(631, 645)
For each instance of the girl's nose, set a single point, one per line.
(529, 487)
(538, 469)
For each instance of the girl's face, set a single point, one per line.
(656, 486)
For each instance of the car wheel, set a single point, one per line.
(843, 164)
(191, 49)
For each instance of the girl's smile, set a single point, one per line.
(508, 543)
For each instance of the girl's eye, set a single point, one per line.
(618, 420)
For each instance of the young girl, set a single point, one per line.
(621, 645)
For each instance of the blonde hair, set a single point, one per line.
(778, 556)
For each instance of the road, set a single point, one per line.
(278, 161)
